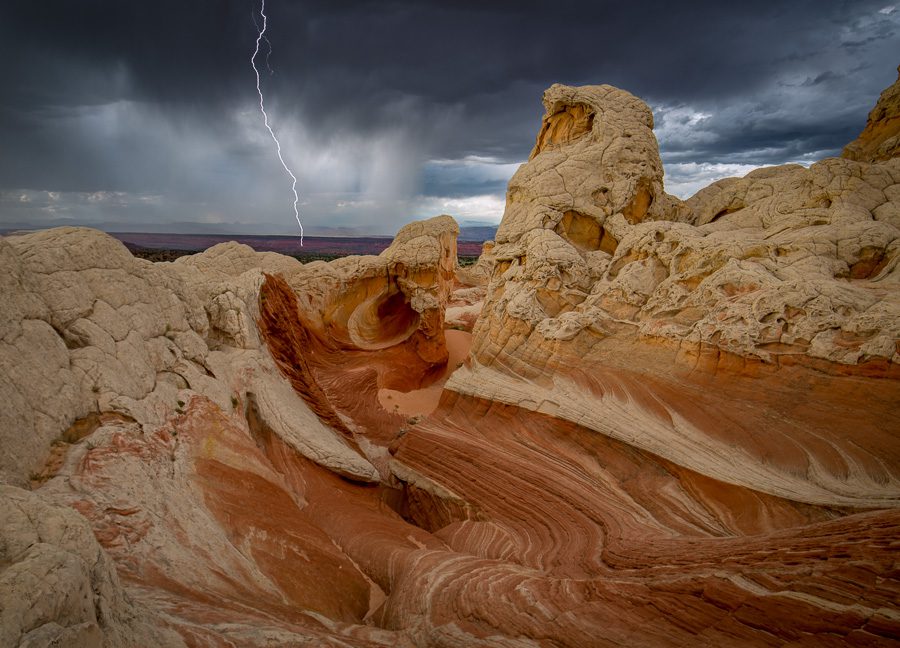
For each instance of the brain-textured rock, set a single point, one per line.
(86, 326)
(615, 306)
(142, 396)
(90, 328)
(787, 259)
(59, 588)
(677, 425)
(101, 352)
(880, 139)
(595, 156)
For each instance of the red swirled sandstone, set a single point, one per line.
(677, 425)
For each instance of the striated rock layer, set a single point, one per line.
(677, 424)
(735, 334)
(577, 539)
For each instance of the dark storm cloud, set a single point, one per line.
(157, 98)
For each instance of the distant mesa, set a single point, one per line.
(326, 247)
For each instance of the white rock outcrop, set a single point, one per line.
(90, 328)
(59, 588)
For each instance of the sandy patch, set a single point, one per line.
(424, 401)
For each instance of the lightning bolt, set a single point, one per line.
(262, 108)
(265, 38)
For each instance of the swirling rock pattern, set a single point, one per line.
(778, 291)
(578, 539)
(677, 425)
(168, 425)
(738, 356)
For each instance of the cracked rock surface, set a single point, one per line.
(676, 426)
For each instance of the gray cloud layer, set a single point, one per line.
(144, 113)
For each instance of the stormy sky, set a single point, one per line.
(143, 116)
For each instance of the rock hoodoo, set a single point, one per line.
(777, 288)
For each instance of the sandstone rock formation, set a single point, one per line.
(90, 328)
(880, 140)
(140, 394)
(605, 311)
(58, 587)
(677, 425)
